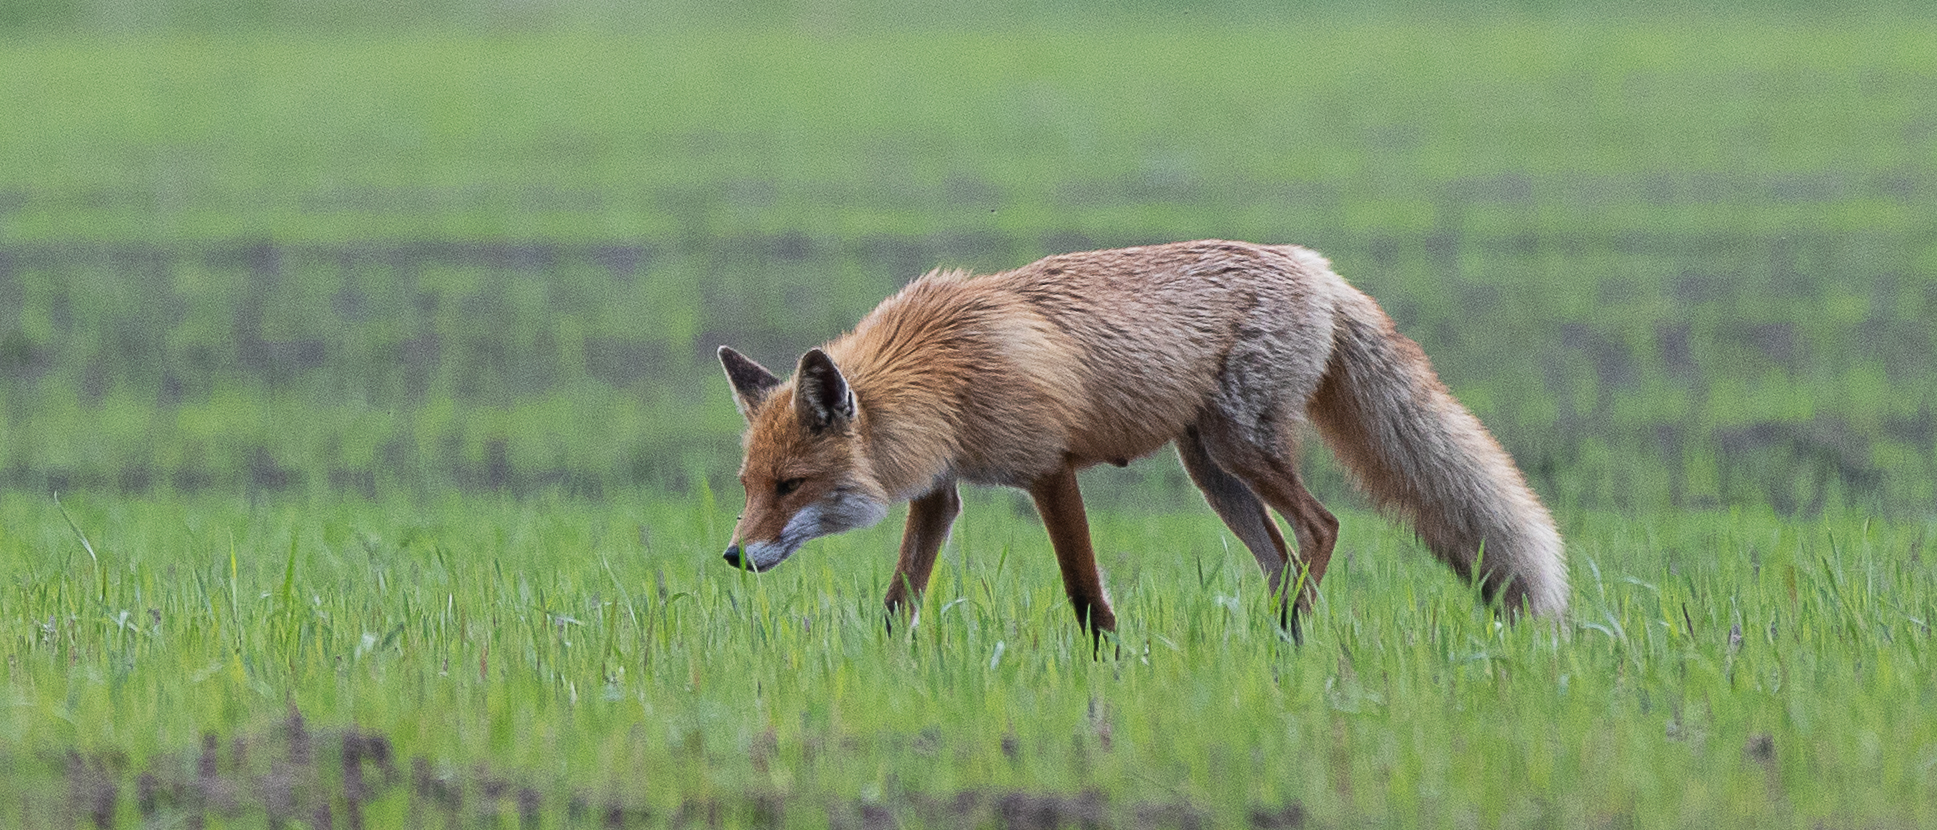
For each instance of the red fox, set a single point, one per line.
(1226, 349)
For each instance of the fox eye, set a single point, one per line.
(786, 486)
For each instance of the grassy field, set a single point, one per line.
(370, 355)
(1679, 263)
(559, 662)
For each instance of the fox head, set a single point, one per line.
(806, 473)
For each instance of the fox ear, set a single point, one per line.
(821, 394)
(752, 383)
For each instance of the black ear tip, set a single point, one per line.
(817, 360)
(732, 359)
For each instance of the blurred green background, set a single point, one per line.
(1675, 259)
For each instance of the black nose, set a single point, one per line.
(733, 556)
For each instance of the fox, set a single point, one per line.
(1227, 350)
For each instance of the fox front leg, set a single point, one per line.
(1060, 504)
(929, 518)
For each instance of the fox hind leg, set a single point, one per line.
(1264, 458)
(1242, 512)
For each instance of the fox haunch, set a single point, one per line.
(1226, 349)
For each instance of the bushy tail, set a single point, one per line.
(1422, 457)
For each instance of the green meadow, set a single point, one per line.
(557, 662)
(363, 461)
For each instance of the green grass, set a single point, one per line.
(604, 653)
(576, 136)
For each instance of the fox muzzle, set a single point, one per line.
(734, 558)
(758, 557)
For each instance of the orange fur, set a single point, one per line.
(1024, 377)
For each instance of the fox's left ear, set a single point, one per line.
(821, 394)
(751, 381)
